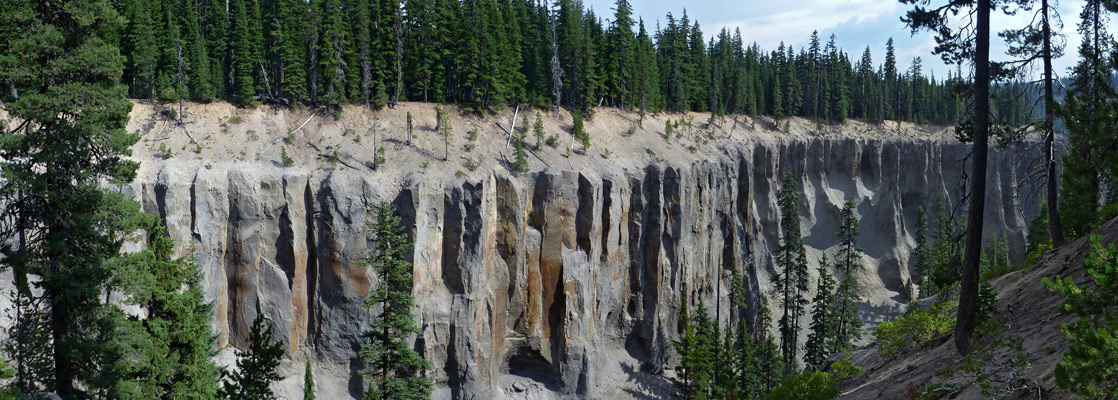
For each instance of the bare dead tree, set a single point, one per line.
(556, 69)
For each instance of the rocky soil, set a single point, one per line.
(564, 281)
(1031, 321)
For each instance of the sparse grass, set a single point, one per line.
(471, 164)
(236, 119)
(252, 136)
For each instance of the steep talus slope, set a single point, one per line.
(566, 280)
(1029, 313)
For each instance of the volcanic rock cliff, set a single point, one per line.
(563, 281)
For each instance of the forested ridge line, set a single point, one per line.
(489, 54)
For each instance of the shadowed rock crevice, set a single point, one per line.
(452, 242)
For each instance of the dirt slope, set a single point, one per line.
(1029, 313)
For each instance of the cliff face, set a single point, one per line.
(558, 282)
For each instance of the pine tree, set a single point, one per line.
(698, 346)
(10, 391)
(173, 344)
(521, 163)
(445, 130)
(891, 82)
(256, 367)
(292, 78)
(61, 70)
(1091, 159)
(792, 277)
(395, 369)
(201, 87)
(1036, 41)
(1088, 366)
(972, 47)
(620, 56)
(141, 48)
(770, 362)
(920, 253)
(579, 131)
(537, 130)
(849, 262)
(819, 344)
(243, 52)
(332, 50)
(308, 382)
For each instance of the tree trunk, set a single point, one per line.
(1055, 230)
(60, 331)
(968, 293)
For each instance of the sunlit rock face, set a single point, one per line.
(551, 283)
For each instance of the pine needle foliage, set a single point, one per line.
(394, 369)
(256, 367)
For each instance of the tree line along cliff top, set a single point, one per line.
(488, 55)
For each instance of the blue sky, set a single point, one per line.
(855, 23)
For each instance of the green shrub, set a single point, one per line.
(1037, 254)
(236, 119)
(915, 329)
(1108, 213)
(1089, 365)
(552, 141)
(165, 152)
(806, 386)
(470, 164)
(843, 369)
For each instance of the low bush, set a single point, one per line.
(806, 386)
(915, 329)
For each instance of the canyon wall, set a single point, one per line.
(557, 282)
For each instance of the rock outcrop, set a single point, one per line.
(555, 282)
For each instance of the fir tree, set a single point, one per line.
(256, 367)
(971, 46)
(769, 360)
(308, 382)
(792, 278)
(520, 165)
(1088, 113)
(537, 130)
(332, 50)
(1088, 366)
(698, 345)
(445, 130)
(173, 344)
(848, 328)
(920, 253)
(61, 70)
(243, 52)
(293, 49)
(395, 370)
(819, 344)
(10, 391)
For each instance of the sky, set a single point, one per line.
(855, 24)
